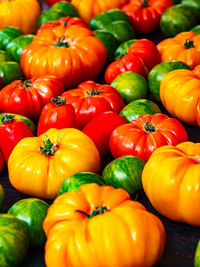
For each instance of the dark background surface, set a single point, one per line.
(181, 239)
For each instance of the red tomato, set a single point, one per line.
(51, 2)
(11, 132)
(142, 136)
(145, 14)
(56, 114)
(28, 97)
(129, 62)
(90, 99)
(100, 128)
(147, 51)
(1, 161)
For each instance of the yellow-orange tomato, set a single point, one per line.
(87, 9)
(38, 165)
(22, 14)
(99, 226)
(171, 181)
(184, 47)
(180, 95)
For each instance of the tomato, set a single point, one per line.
(28, 97)
(100, 128)
(74, 181)
(131, 86)
(12, 130)
(124, 172)
(32, 212)
(9, 72)
(56, 114)
(141, 137)
(7, 34)
(14, 241)
(4, 56)
(123, 48)
(91, 98)
(197, 255)
(51, 2)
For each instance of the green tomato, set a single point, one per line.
(124, 172)
(49, 15)
(67, 8)
(176, 19)
(139, 107)
(17, 45)
(131, 86)
(32, 212)
(14, 241)
(73, 182)
(197, 255)
(123, 48)
(193, 3)
(2, 196)
(7, 34)
(10, 71)
(159, 71)
(4, 56)
(196, 29)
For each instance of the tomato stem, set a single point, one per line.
(27, 84)
(189, 44)
(7, 118)
(58, 100)
(49, 148)
(149, 127)
(62, 42)
(94, 91)
(97, 211)
(144, 3)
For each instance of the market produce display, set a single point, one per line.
(99, 133)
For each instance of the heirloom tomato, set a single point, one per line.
(91, 98)
(171, 182)
(7, 34)
(56, 114)
(100, 226)
(100, 128)
(144, 135)
(197, 255)
(51, 2)
(28, 97)
(184, 47)
(71, 53)
(12, 130)
(38, 165)
(9, 72)
(145, 14)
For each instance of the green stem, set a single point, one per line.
(189, 44)
(149, 127)
(94, 91)
(27, 84)
(49, 148)
(58, 100)
(62, 42)
(97, 211)
(7, 118)
(144, 3)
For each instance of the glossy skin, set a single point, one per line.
(124, 172)
(178, 89)
(56, 114)
(9, 72)
(19, 13)
(31, 212)
(141, 137)
(100, 128)
(48, 54)
(51, 2)
(175, 172)
(28, 98)
(145, 17)
(176, 48)
(90, 99)
(71, 151)
(10, 134)
(7, 34)
(14, 241)
(74, 240)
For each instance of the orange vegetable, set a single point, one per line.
(38, 165)
(171, 181)
(99, 226)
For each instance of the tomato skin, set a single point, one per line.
(28, 98)
(100, 128)
(90, 99)
(145, 19)
(56, 114)
(51, 2)
(139, 138)
(10, 134)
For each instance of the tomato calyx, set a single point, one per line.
(27, 84)
(94, 91)
(99, 210)
(49, 148)
(7, 118)
(189, 44)
(58, 100)
(62, 42)
(149, 127)
(144, 3)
